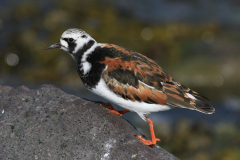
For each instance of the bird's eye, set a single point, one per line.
(70, 40)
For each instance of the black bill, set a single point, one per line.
(55, 45)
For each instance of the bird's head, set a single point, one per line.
(73, 40)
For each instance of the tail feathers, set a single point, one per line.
(204, 107)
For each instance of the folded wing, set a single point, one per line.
(137, 78)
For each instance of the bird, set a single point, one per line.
(127, 78)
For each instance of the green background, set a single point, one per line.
(196, 42)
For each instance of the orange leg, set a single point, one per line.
(113, 110)
(154, 139)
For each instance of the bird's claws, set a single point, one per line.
(150, 143)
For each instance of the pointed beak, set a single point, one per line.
(55, 45)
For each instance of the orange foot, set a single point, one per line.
(113, 110)
(148, 142)
(154, 139)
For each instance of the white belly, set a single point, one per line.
(138, 107)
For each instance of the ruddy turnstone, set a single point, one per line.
(127, 78)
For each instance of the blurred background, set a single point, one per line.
(195, 41)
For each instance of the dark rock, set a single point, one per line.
(49, 124)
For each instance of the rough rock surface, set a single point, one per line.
(49, 124)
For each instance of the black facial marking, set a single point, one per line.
(84, 36)
(70, 40)
(71, 47)
(85, 47)
(71, 44)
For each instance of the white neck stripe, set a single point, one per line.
(86, 66)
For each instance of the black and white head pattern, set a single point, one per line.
(73, 40)
(78, 44)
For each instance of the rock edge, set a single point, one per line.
(48, 123)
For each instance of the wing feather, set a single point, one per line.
(137, 78)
